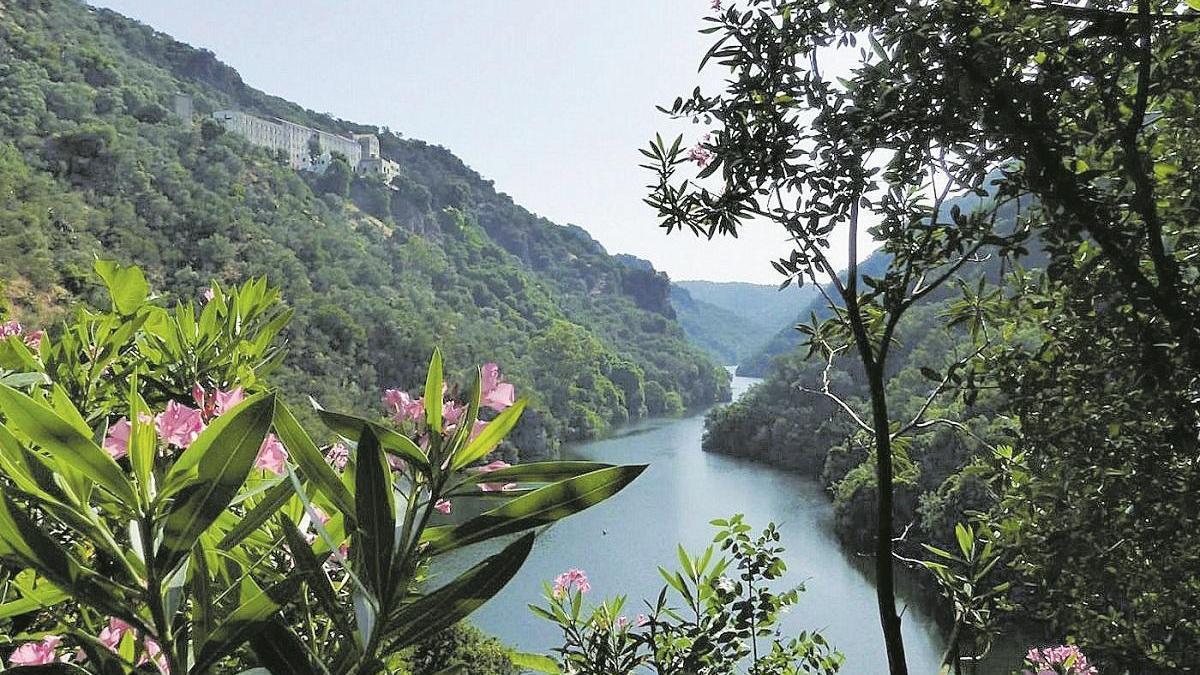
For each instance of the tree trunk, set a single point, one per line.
(885, 578)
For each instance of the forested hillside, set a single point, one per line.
(785, 339)
(93, 164)
(734, 320)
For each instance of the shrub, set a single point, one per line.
(161, 506)
(727, 621)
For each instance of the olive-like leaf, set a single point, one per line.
(540, 507)
(456, 600)
(68, 448)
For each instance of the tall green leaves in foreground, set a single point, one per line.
(163, 509)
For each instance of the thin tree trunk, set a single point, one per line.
(885, 578)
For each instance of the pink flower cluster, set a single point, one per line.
(623, 623)
(338, 455)
(112, 634)
(494, 393)
(33, 340)
(1061, 660)
(700, 154)
(36, 653)
(571, 579)
(179, 425)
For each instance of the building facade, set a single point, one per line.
(309, 149)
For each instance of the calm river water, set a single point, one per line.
(620, 543)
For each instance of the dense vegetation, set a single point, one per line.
(91, 163)
(164, 510)
(1055, 416)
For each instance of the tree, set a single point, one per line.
(1087, 114)
(796, 149)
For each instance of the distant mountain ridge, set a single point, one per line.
(786, 339)
(732, 321)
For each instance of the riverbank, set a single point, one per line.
(622, 542)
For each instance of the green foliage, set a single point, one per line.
(462, 647)
(727, 620)
(1087, 117)
(84, 173)
(220, 538)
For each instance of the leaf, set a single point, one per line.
(247, 620)
(375, 538)
(223, 456)
(490, 437)
(311, 461)
(126, 285)
(456, 600)
(540, 507)
(33, 599)
(281, 651)
(69, 449)
(351, 427)
(318, 582)
(433, 393)
(256, 517)
(537, 472)
(143, 438)
(22, 540)
(534, 662)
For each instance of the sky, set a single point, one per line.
(551, 99)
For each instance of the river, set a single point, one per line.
(620, 543)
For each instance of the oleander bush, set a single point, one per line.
(163, 509)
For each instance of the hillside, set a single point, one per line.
(785, 339)
(93, 164)
(732, 321)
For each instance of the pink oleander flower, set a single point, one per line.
(622, 623)
(477, 429)
(494, 487)
(216, 402)
(572, 578)
(36, 653)
(15, 329)
(179, 425)
(338, 455)
(272, 456)
(452, 412)
(402, 406)
(716, 5)
(443, 506)
(493, 391)
(1060, 660)
(700, 155)
(227, 400)
(112, 634)
(116, 443)
(10, 328)
(154, 653)
(208, 294)
(396, 464)
(319, 517)
(640, 620)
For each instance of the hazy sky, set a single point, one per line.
(549, 98)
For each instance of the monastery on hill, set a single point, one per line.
(307, 149)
